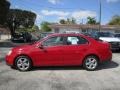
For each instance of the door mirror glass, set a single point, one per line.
(41, 46)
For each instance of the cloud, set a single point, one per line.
(59, 14)
(59, 18)
(54, 1)
(39, 17)
(112, 1)
(83, 14)
(54, 13)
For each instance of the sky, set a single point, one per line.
(54, 10)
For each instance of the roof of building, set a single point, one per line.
(84, 26)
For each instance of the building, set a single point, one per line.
(4, 30)
(64, 28)
(4, 33)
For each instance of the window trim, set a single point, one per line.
(76, 44)
(54, 45)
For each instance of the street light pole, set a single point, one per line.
(99, 15)
(13, 25)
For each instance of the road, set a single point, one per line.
(106, 77)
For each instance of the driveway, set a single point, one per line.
(106, 77)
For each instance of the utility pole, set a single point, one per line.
(13, 26)
(99, 15)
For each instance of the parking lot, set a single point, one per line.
(106, 77)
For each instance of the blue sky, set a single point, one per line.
(54, 10)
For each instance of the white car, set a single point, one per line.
(110, 38)
(117, 35)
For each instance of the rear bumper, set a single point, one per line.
(107, 60)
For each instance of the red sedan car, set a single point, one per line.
(60, 50)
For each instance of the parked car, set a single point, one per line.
(108, 37)
(60, 50)
(25, 37)
(34, 38)
(87, 34)
(117, 35)
(17, 37)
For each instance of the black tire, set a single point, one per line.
(90, 63)
(23, 63)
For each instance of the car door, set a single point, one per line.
(51, 53)
(74, 50)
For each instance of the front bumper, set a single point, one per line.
(9, 60)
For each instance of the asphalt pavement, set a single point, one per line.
(106, 77)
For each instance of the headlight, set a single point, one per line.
(9, 52)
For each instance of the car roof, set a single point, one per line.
(66, 34)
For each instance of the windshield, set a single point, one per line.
(43, 35)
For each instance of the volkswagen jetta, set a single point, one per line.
(60, 50)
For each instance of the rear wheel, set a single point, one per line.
(23, 63)
(90, 63)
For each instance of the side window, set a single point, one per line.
(76, 40)
(53, 41)
(82, 40)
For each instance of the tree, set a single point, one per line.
(91, 20)
(68, 21)
(73, 21)
(18, 17)
(45, 26)
(62, 21)
(4, 8)
(115, 20)
(35, 27)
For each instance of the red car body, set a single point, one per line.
(61, 55)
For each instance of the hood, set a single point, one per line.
(110, 39)
(23, 47)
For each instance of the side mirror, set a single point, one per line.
(41, 46)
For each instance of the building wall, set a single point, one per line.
(63, 30)
(67, 30)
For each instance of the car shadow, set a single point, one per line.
(105, 65)
(58, 68)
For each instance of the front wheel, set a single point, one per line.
(90, 63)
(23, 63)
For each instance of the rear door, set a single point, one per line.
(74, 50)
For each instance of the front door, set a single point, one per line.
(51, 54)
